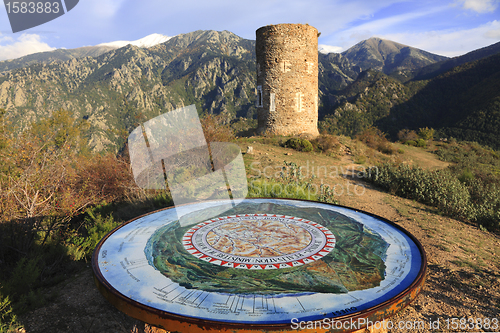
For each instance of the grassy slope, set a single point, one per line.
(464, 262)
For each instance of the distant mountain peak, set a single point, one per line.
(148, 41)
(387, 56)
(378, 46)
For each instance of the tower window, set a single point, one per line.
(298, 100)
(286, 66)
(310, 67)
(259, 96)
(272, 102)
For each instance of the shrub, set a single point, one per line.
(360, 159)
(8, 320)
(437, 188)
(216, 128)
(411, 143)
(385, 148)
(374, 138)
(474, 200)
(81, 243)
(299, 144)
(426, 133)
(290, 184)
(326, 143)
(274, 189)
(421, 143)
(406, 135)
(485, 199)
(466, 176)
(24, 276)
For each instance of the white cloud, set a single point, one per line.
(480, 6)
(24, 45)
(379, 27)
(325, 49)
(451, 42)
(6, 38)
(494, 32)
(375, 27)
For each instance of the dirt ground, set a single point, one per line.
(463, 277)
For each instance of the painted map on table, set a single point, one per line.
(262, 261)
(287, 249)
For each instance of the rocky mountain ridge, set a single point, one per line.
(116, 90)
(80, 52)
(120, 88)
(58, 55)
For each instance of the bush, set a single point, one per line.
(299, 144)
(385, 148)
(8, 320)
(326, 143)
(473, 200)
(437, 188)
(421, 143)
(407, 135)
(426, 133)
(485, 202)
(411, 143)
(466, 176)
(375, 139)
(81, 243)
(216, 129)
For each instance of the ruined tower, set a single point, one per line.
(287, 79)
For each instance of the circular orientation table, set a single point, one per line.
(261, 265)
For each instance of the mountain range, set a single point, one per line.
(114, 87)
(460, 97)
(80, 52)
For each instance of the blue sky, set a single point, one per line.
(445, 27)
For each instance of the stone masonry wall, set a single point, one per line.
(287, 79)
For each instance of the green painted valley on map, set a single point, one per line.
(355, 263)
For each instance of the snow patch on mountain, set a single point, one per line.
(325, 49)
(148, 41)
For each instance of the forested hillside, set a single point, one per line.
(463, 103)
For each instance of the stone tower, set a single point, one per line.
(287, 79)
